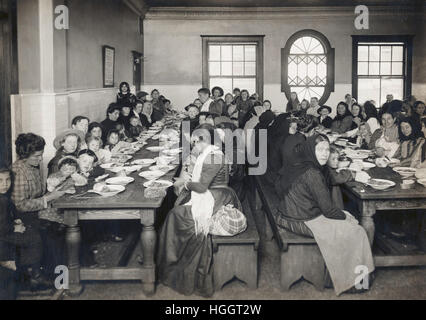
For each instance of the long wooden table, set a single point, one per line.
(128, 205)
(396, 198)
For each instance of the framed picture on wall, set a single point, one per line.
(108, 61)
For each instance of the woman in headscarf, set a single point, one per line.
(411, 143)
(147, 115)
(185, 247)
(306, 208)
(343, 120)
(124, 96)
(385, 141)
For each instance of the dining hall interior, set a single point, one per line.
(107, 176)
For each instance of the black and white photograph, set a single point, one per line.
(213, 156)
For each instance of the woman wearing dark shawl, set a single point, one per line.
(306, 208)
(343, 120)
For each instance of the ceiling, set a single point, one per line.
(277, 3)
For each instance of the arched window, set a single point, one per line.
(307, 66)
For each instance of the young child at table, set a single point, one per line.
(95, 144)
(113, 144)
(337, 177)
(135, 128)
(123, 134)
(62, 180)
(87, 171)
(13, 234)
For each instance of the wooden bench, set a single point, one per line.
(300, 256)
(236, 256)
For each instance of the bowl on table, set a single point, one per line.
(144, 162)
(107, 190)
(405, 172)
(380, 184)
(163, 184)
(164, 168)
(408, 184)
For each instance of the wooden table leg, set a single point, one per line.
(73, 240)
(368, 210)
(148, 243)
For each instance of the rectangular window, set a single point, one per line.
(381, 65)
(233, 62)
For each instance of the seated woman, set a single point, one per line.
(324, 119)
(418, 114)
(229, 99)
(357, 114)
(125, 115)
(411, 144)
(306, 208)
(67, 143)
(385, 141)
(293, 103)
(371, 118)
(218, 104)
(244, 105)
(185, 248)
(124, 96)
(149, 115)
(112, 114)
(267, 104)
(29, 197)
(343, 120)
(157, 103)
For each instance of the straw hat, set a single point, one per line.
(57, 143)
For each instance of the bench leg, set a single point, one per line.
(235, 261)
(302, 261)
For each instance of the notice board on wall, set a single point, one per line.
(108, 60)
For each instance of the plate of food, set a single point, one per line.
(151, 174)
(118, 157)
(164, 168)
(144, 162)
(172, 152)
(155, 149)
(164, 184)
(405, 172)
(121, 181)
(380, 184)
(367, 165)
(128, 169)
(341, 143)
(110, 165)
(107, 190)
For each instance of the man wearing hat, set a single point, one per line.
(324, 119)
(141, 95)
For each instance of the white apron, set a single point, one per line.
(344, 246)
(202, 204)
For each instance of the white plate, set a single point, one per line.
(340, 143)
(166, 184)
(162, 168)
(155, 149)
(127, 169)
(144, 162)
(108, 165)
(172, 152)
(151, 175)
(122, 181)
(114, 189)
(422, 182)
(368, 165)
(384, 184)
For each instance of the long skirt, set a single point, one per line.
(346, 251)
(185, 260)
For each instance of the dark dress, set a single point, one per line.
(108, 125)
(125, 121)
(185, 259)
(326, 123)
(217, 107)
(126, 99)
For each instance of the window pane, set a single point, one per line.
(246, 83)
(385, 68)
(226, 53)
(397, 53)
(322, 71)
(373, 68)
(363, 68)
(224, 83)
(368, 89)
(386, 52)
(226, 68)
(250, 68)
(362, 53)
(392, 86)
(214, 53)
(374, 53)
(295, 49)
(238, 68)
(397, 68)
(316, 47)
(238, 53)
(312, 69)
(250, 53)
(214, 68)
(292, 70)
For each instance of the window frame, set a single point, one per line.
(407, 40)
(258, 39)
(329, 52)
